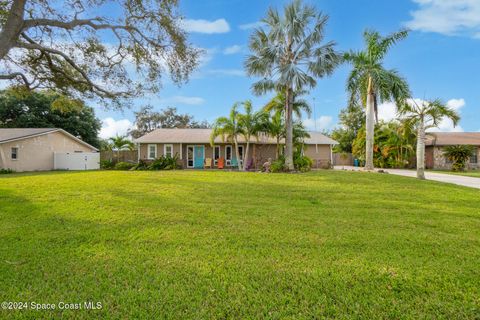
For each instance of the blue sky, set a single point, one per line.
(440, 58)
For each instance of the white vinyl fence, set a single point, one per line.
(76, 161)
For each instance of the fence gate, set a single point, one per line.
(76, 161)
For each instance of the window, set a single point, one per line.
(15, 153)
(168, 150)
(216, 154)
(228, 155)
(152, 151)
(189, 156)
(474, 158)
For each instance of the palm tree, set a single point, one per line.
(370, 83)
(229, 129)
(459, 154)
(275, 127)
(423, 115)
(251, 124)
(119, 143)
(277, 104)
(289, 54)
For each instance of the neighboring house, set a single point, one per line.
(37, 149)
(437, 141)
(193, 146)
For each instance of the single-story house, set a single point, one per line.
(192, 146)
(37, 149)
(437, 141)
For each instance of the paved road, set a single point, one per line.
(441, 177)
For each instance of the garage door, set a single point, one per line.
(76, 161)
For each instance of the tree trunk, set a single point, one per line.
(289, 129)
(237, 154)
(245, 156)
(12, 27)
(421, 150)
(370, 126)
(278, 147)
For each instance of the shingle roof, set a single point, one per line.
(12, 134)
(452, 138)
(203, 136)
(17, 133)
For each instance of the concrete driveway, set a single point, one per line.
(435, 176)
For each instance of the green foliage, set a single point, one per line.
(387, 84)
(393, 147)
(119, 143)
(302, 163)
(107, 164)
(142, 165)
(147, 120)
(459, 155)
(6, 171)
(165, 163)
(44, 109)
(124, 165)
(278, 165)
(351, 120)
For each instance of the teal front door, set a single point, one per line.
(199, 157)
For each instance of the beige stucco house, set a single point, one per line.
(437, 141)
(192, 146)
(33, 149)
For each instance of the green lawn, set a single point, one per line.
(206, 245)
(472, 173)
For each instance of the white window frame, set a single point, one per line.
(165, 150)
(228, 162)
(215, 161)
(16, 153)
(148, 151)
(193, 156)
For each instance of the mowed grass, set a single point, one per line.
(220, 245)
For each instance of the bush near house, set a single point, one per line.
(459, 155)
(124, 166)
(6, 171)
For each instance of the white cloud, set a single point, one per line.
(456, 104)
(205, 26)
(387, 111)
(323, 123)
(448, 17)
(251, 25)
(184, 100)
(112, 127)
(232, 49)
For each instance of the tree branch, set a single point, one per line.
(14, 75)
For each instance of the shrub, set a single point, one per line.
(302, 163)
(6, 171)
(459, 155)
(107, 164)
(124, 166)
(278, 165)
(165, 163)
(141, 165)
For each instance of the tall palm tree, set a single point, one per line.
(251, 124)
(119, 143)
(289, 54)
(229, 129)
(370, 83)
(423, 115)
(277, 104)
